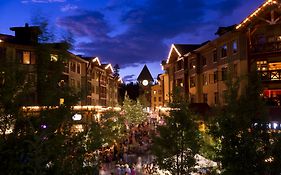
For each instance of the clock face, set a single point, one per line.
(145, 82)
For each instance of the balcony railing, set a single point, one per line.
(270, 75)
(266, 47)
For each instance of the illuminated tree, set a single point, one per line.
(178, 140)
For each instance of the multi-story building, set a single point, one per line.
(88, 77)
(157, 95)
(252, 45)
(102, 86)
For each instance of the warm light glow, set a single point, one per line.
(54, 57)
(96, 59)
(109, 66)
(1, 41)
(269, 2)
(173, 47)
(77, 117)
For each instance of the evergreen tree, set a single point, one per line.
(244, 145)
(178, 140)
(133, 112)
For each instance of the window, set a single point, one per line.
(192, 82)
(205, 98)
(54, 57)
(204, 61)
(224, 73)
(72, 66)
(159, 91)
(72, 82)
(215, 76)
(25, 57)
(234, 47)
(155, 99)
(216, 96)
(159, 99)
(223, 51)
(97, 90)
(79, 84)
(215, 56)
(205, 79)
(192, 64)
(154, 92)
(235, 70)
(78, 68)
(261, 65)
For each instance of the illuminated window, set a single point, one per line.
(154, 92)
(234, 47)
(54, 57)
(261, 65)
(205, 79)
(192, 82)
(223, 51)
(26, 57)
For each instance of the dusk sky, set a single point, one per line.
(129, 32)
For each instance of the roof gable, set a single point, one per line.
(256, 15)
(180, 50)
(145, 75)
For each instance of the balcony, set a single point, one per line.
(270, 47)
(270, 75)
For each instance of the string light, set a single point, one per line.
(269, 2)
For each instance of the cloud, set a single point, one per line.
(150, 27)
(69, 7)
(129, 78)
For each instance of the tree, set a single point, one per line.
(178, 140)
(116, 70)
(244, 145)
(133, 112)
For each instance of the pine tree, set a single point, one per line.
(244, 147)
(178, 140)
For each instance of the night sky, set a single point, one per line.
(128, 32)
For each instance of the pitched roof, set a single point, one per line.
(223, 30)
(185, 48)
(145, 75)
(259, 10)
(182, 49)
(6, 38)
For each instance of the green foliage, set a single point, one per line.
(244, 148)
(178, 140)
(133, 111)
(113, 127)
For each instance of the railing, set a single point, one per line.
(270, 75)
(266, 47)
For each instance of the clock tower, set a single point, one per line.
(145, 81)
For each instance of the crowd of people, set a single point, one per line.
(131, 154)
